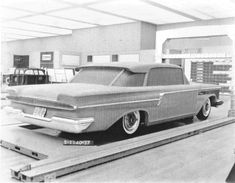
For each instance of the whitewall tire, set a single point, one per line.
(205, 110)
(131, 122)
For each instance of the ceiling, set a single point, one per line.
(27, 19)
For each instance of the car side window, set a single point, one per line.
(29, 72)
(40, 72)
(165, 76)
(130, 79)
(21, 71)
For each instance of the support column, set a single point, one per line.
(187, 68)
(231, 112)
(167, 61)
(159, 47)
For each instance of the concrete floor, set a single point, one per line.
(207, 157)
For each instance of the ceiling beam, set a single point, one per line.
(70, 19)
(109, 13)
(210, 16)
(171, 10)
(5, 34)
(53, 26)
(45, 13)
(87, 6)
(72, 6)
(218, 21)
(29, 30)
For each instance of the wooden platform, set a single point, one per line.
(62, 164)
(186, 159)
(44, 142)
(207, 157)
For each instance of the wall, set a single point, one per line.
(216, 44)
(215, 27)
(148, 36)
(102, 40)
(147, 56)
(107, 38)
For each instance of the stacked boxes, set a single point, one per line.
(214, 72)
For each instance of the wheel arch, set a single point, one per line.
(144, 116)
(213, 100)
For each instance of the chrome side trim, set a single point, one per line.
(118, 103)
(42, 103)
(178, 91)
(171, 92)
(211, 88)
(47, 106)
(136, 101)
(161, 96)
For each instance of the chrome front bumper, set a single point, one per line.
(58, 123)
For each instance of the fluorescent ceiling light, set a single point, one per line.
(90, 16)
(7, 13)
(57, 22)
(80, 2)
(15, 36)
(37, 28)
(141, 11)
(8, 39)
(204, 9)
(25, 33)
(183, 6)
(34, 5)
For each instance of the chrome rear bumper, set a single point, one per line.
(58, 123)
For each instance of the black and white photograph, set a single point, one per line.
(117, 91)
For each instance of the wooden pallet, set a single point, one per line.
(51, 168)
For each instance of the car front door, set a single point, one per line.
(177, 98)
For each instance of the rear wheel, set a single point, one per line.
(131, 122)
(205, 110)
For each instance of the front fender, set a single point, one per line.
(202, 99)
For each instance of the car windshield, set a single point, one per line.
(108, 76)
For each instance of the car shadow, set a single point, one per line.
(109, 136)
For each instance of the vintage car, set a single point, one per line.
(127, 95)
(27, 76)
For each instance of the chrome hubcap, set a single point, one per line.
(206, 108)
(131, 122)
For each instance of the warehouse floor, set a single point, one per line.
(183, 161)
(203, 158)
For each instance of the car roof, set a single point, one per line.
(30, 68)
(133, 67)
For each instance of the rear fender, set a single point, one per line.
(142, 112)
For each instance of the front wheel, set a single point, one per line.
(131, 122)
(205, 110)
